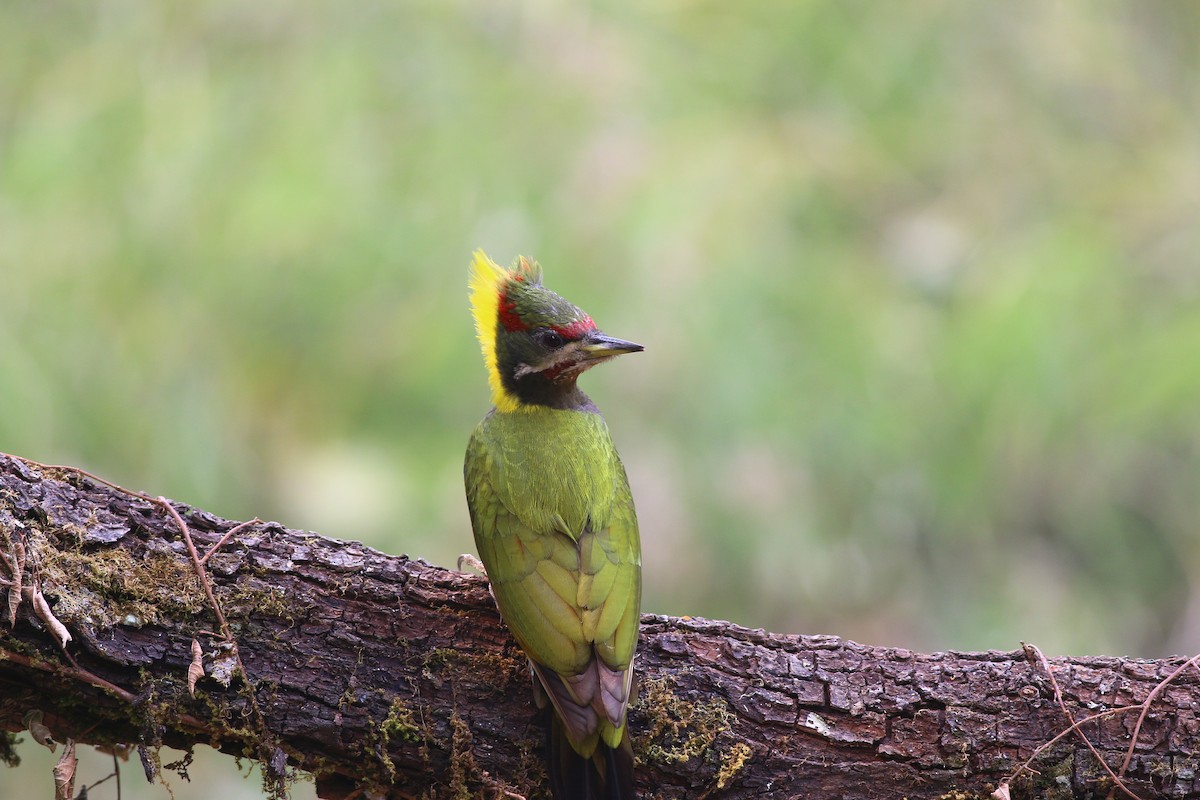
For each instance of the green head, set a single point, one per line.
(535, 342)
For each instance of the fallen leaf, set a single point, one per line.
(16, 565)
(196, 668)
(40, 733)
(64, 773)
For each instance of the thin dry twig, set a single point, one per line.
(1065, 732)
(202, 574)
(84, 473)
(1034, 652)
(198, 565)
(1150, 698)
(226, 631)
(198, 562)
(131, 493)
(229, 535)
(78, 673)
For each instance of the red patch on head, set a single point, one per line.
(576, 330)
(508, 315)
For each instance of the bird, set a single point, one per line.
(554, 523)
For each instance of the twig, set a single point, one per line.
(231, 533)
(201, 572)
(81, 674)
(226, 632)
(1154, 693)
(1033, 651)
(84, 473)
(130, 493)
(1025, 767)
(198, 564)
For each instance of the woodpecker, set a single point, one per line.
(554, 523)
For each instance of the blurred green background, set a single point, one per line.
(918, 282)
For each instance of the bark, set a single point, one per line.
(392, 676)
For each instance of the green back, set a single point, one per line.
(555, 527)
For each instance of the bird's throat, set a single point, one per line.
(535, 389)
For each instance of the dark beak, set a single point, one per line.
(597, 345)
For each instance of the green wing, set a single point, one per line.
(558, 535)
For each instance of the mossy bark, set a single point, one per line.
(391, 675)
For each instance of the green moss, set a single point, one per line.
(679, 730)
(403, 724)
(1053, 777)
(498, 669)
(244, 600)
(109, 586)
(400, 724)
(732, 763)
(531, 768)
(462, 759)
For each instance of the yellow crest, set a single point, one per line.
(488, 283)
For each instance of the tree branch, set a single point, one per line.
(395, 677)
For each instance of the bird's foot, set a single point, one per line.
(469, 560)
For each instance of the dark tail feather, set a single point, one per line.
(618, 768)
(607, 775)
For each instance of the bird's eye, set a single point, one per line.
(551, 339)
